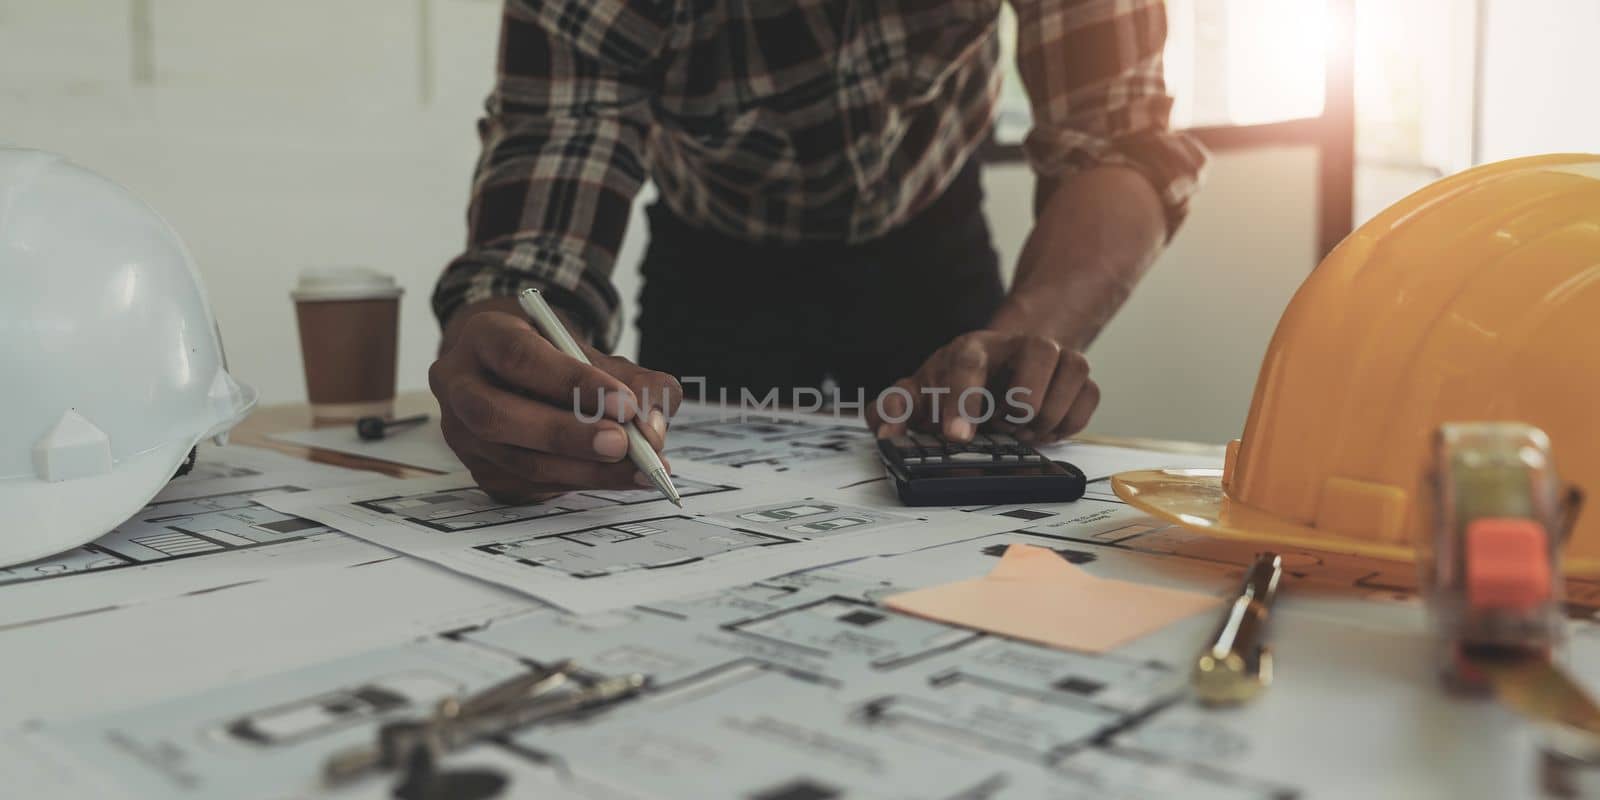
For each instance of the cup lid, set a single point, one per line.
(345, 283)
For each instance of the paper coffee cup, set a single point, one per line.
(349, 335)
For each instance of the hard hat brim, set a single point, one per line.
(1194, 498)
(51, 518)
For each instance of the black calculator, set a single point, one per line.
(992, 469)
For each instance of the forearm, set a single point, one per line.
(1093, 238)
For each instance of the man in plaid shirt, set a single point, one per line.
(819, 220)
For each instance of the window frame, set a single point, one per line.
(1332, 133)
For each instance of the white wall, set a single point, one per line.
(277, 136)
(1180, 360)
(273, 136)
(1540, 61)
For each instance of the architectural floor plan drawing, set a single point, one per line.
(775, 671)
(662, 542)
(652, 543)
(467, 508)
(762, 732)
(205, 529)
(841, 628)
(174, 529)
(590, 551)
(98, 659)
(771, 444)
(273, 734)
(793, 687)
(804, 686)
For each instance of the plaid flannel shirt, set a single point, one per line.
(783, 122)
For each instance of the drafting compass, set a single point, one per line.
(416, 745)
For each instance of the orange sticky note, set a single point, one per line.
(1035, 594)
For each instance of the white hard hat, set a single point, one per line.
(111, 361)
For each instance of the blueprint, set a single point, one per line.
(231, 637)
(466, 508)
(107, 658)
(771, 444)
(591, 551)
(799, 686)
(272, 734)
(210, 510)
(844, 450)
(804, 686)
(205, 529)
(169, 530)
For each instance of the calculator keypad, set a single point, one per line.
(999, 449)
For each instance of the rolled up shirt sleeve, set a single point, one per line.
(1092, 70)
(563, 158)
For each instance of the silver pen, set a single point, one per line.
(640, 452)
(1236, 663)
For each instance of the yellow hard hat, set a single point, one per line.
(1477, 298)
